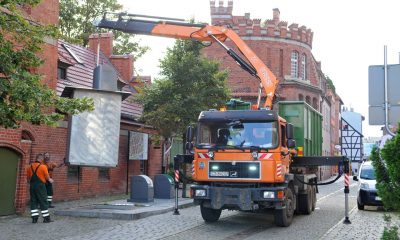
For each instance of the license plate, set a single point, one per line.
(378, 198)
(219, 174)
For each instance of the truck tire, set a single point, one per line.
(360, 206)
(314, 197)
(306, 202)
(284, 217)
(209, 214)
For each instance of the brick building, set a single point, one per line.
(287, 50)
(67, 64)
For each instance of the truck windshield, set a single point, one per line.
(236, 134)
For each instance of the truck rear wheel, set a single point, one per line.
(306, 201)
(314, 197)
(283, 217)
(209, 214)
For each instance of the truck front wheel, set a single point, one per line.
(283, 217)
(209, 214)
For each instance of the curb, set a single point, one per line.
(118, 214)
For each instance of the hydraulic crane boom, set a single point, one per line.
(177, 28)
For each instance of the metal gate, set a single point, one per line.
(8, 180)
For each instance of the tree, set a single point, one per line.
(387, 166)
(330, 83)
(76, 24)
(22, 95)
(190, 84)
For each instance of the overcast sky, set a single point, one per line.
(348, 36)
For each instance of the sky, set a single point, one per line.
(348, 37)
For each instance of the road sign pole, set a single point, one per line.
(386, 93)
(176, 171)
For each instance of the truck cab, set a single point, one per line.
(241, 162)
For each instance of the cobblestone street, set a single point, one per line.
(324, 223)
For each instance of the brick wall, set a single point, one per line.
(54, 141)
(46, 12)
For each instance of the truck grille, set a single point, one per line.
(234, 170)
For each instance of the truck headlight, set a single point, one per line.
(269, 194)
(200, 193)
(364, 186)
(252, 168)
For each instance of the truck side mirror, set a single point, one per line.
(289, 131)
(189, 146)
(189, 133)
(189, 138)
(291, 143)
(355, 178)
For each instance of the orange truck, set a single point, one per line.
(242, 159)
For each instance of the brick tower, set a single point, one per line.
(285, 49)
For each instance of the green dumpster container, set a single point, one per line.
(307, 124)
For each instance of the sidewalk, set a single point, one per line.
(117, 207)
(365, 224)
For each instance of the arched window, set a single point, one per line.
(301, 97)
(303, 67)
(294, 69)
(26, 135)
(308, 100)
(315, 103)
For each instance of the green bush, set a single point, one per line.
(386, 162)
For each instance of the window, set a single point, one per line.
(308, 100)
(283, 136)
(303, 67)
(73, 173)
(294, 69)
(104, 173)
(72, 53)
(367, 172)
(315, 103)
(61, 73)
(238, 134)
(143, 167)
(301, 97)
(281, 62)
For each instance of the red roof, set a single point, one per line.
(80, 73)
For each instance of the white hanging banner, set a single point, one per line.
(138, 146)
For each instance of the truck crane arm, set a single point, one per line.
(179, 29)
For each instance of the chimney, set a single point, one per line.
(276, 15)
(124, 65)
(106, 43)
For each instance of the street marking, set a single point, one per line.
(340, 222)
(330, 194)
